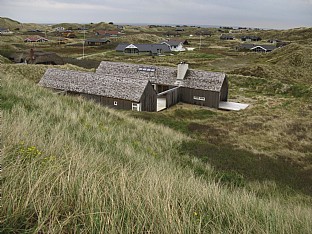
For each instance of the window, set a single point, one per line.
(136, 106)
(199, 98)
(115, 103)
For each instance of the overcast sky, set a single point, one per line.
(249, 13)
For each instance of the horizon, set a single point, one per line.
(276, 14)
(157, 24)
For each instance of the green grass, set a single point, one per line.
(69, 164)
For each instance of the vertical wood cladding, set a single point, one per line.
(149, 99)
(212, 98)
(224, 90)
(172, 97)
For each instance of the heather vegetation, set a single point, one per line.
(71, 165)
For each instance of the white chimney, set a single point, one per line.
(182, 69)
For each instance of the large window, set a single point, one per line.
(199, 98)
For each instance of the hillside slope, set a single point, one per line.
(83, 167)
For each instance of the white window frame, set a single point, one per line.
(115, 103)
(136, 106)
(199, 98)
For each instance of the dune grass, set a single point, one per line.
(72, 166)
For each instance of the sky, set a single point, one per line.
(277, 14)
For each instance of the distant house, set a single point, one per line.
(141, 87)
(35, 31)
(5, 31)
(174, 45)
(147, 49)
(251, 38)
(69, 35)
(274, 41)
(37, 57)
(35, 39)
(119, 92)
(179, 29)
(59, 29)
(96, 42)
(203, 33)
(263, 48)
(105, 33)
(256, 48)
(226, 37)
(172, 34)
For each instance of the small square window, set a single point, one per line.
(115, 103)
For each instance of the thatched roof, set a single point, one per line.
(96, 84)
(195, 79)
(38, 57)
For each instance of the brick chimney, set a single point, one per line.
(182, 69)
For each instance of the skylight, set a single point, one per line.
(147, 69)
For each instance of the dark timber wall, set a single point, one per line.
(108, 101)
(172, 96)
(224, 90)
(212, 98)
(149, 99)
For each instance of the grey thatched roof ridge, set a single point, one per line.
(96, 84)
(196, 79)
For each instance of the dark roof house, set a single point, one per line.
(138, 86)
(150, 49)
(193, 86)
(35, 39)
(226, 37)
(37, 57)
(203, 33)
(256, 48)
(251, 38)
(96, 42)
(106, 33)
(110, 90)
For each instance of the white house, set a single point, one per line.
(174, 45)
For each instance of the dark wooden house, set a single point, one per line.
(147, 49)
(256, 48)
(37, 57)
(110, 90)
(251, 38)
(226, 37)
(175, 84)
(96, 41)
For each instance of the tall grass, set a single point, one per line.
(72, 166)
